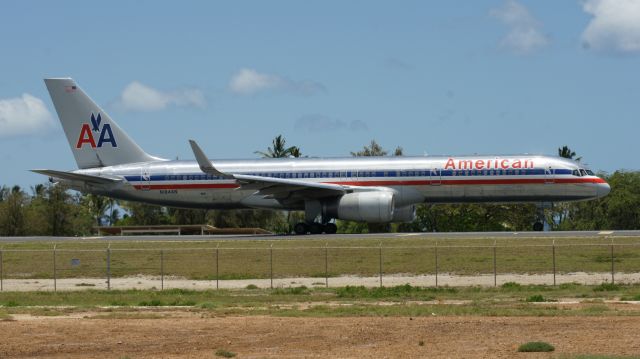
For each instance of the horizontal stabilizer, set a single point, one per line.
(71, 176)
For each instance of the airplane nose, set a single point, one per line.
(603, 189)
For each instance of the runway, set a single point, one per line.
(417, 235)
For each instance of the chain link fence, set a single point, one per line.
(272, 266)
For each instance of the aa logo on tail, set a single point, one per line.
(87, 137)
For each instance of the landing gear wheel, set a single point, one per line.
(300, 228)
(330, 228)
(538, 226)
(315, 228)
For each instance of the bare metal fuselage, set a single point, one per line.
(412, 179)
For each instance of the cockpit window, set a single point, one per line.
(583, 172)
(590, 173)
(576, 173)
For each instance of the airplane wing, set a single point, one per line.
(278, 188)
(70, 176)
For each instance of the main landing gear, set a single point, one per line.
(315, 228)
(316, 222)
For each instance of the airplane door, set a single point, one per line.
(549, 175)
(146, 179)
(435, 177)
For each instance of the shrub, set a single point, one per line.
(400, 291)
(606, 287)
(293, 290)
(225, 353)
(511, 286)
(536, 347)
(207, 305)
(251, 286)
(11, 303)
(151, 303)
(536, 298)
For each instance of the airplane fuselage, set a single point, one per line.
(412, 179)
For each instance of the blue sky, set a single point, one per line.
(435, 77)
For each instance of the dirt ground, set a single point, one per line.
(196, 335)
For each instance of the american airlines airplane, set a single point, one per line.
(368, 189)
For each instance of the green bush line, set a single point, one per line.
(488, 299)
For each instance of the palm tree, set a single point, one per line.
(280, 150)
(566, 152)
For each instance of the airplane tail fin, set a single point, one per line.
(95, 139)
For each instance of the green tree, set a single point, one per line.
(143, 214)
(274, 221)
(280, 149)
(12, 212)
(566, 152)
(373, 149)
(186, 216)
(53, 211)
(620, 210)
(97, 206)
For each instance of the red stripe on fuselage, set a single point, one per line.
(188, 186)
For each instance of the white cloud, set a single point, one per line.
(525, 34)
(319, 123)
(249, 82)
(23, 115)
(615, 25)
(139, 97)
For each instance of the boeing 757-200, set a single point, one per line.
(368, 189)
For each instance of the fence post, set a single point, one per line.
(271, 264)
(380, 260)
(109, 267)
(55, 279)
(436, 254)
(162, 269)
(612, 263)
(217, 266)
(553, 254)
(326, 264)
(495, 269)
(1, 270)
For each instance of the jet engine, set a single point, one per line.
(371, 207)
(404, 214)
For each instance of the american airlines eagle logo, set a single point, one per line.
(104, 133)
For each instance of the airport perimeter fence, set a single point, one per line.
(320, 266)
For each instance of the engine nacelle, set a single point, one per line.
(371, 207)
(404, 214)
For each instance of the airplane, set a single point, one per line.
(366, 189)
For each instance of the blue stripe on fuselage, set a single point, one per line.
(358, 174)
